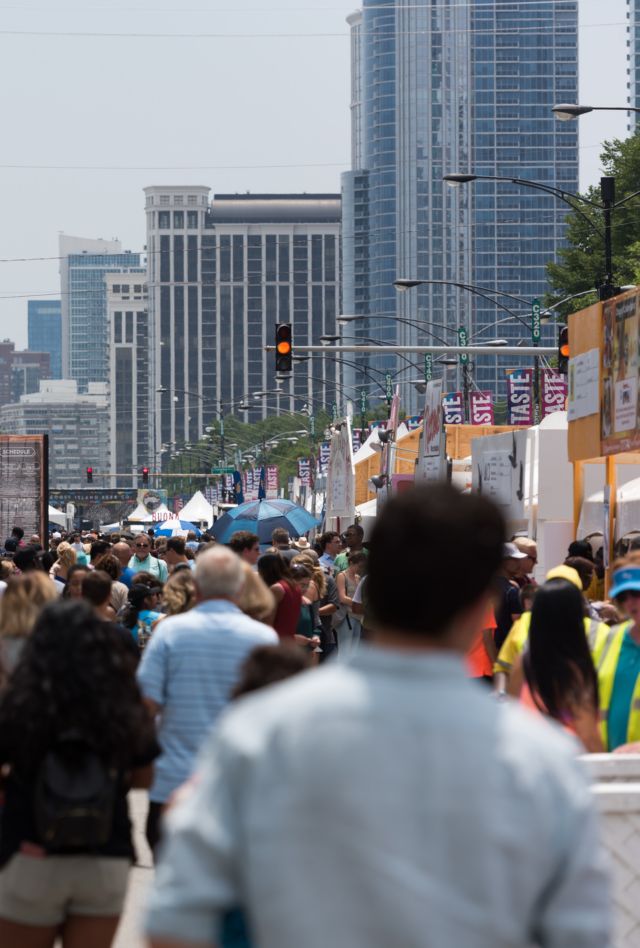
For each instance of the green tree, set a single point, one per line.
(581, 263)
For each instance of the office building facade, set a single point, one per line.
(440, 88)
(21, 371)
(130, 397)
(222, 274)
(83, 265)
(77, 425)
(633, 59)
(44, 326)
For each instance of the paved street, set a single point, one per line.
(128, 933)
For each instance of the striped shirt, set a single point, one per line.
(189, 668)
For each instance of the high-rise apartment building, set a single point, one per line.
(45, 332)
(130, 396)
(83, 265)
(77, 425)
(633, 58)
(441, 87)
(20, 372)
(221, 276)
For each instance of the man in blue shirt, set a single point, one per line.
(190, 667)
(330, 544)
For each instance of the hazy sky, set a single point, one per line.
(235, 112)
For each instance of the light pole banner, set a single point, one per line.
(453, 408)
(520, 396)
(432, 421)
(554, 392)
(304, 472)
(481, 408)
(356, 439)
(272, 481)
(323, 457)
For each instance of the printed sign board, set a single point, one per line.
(24, 484)
(619, 406)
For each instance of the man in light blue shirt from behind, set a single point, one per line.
(190, 667)
(391, 802)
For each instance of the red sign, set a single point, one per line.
(554, 392)
(481, 408)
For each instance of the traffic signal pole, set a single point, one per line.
(436, 350)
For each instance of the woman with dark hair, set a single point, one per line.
(73, 587)
(275, 572)
(73, 726)
(560, 680)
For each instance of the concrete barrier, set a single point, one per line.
(616, 786)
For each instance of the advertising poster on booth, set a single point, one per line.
(453, 408)
(619, 406)
(553, 392)
(481, 408)
(520, 396)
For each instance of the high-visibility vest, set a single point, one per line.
(518, 636)
(606, 656)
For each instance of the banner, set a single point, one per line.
(323, 457)
(553, 392)
(413, 422)
(304, 471)
(211, 494)
(262, 484)
(481, 408)
(453, 408)
(520, 396)
(273, 481)
(238, 493)
(356, 439)
(620, 367)
(432, 421)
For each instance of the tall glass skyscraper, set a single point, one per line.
(440, 86)
(634, 61)
(45, 331)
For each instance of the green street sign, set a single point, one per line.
(334, 412)
(535, 322)
(312, 425)
(428, 367)
(389, 386)
(363, 402)
(222, 470)
(463, 340)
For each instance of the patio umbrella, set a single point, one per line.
(175, 528)
(262, 517)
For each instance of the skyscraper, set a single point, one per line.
(45, 331)
(83, 264)
(221, 275)
(440, 87)
(633, 70)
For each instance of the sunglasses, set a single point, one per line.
(142, 546)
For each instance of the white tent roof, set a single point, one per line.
(197, 509)
(627, 511)
(142, 515)
(57, 516)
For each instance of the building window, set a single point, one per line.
(192, 199)
(164, 200)
(129, 328)
(116, 288)
(177, 200)
(164, 220)
(178, 220)
(192, 220)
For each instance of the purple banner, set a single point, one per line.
(520, 396)
(554, 392)
(304, 471)
(323, 457)
(453, 408)
(481, 408)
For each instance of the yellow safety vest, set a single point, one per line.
(514, 644)
(606, 655)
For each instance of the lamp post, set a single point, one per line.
(606, 289)
(567, 111)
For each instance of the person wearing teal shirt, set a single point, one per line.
(623, 687)
(143, 562)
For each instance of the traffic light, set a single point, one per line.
(284, 350)
(563, 350)
(89, 475)
(145, 476)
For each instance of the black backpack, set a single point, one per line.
(74, 796)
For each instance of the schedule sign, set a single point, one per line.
(24, 484)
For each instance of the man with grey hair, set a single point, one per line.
(190, 667)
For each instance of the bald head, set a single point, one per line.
(123, 552)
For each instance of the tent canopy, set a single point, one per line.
(627, 511)
(57, 516)
(142, 515)
(198, 510)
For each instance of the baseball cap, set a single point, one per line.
(511, 552)
(624, 580)
(566, 572)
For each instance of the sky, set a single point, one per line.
(260, 103)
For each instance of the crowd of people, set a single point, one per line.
(126, 661)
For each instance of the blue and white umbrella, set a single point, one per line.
(175, 528)
(262, 517)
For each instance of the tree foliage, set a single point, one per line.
(581, 263)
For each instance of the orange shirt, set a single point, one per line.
(478, 662)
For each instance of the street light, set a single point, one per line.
(606, 289)
(566, 112)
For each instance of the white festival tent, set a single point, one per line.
(57, 516)
(198, 510)
(142, 515)
(627, 511)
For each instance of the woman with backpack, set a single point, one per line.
(75, 737)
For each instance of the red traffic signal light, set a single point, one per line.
(89, 475)
(563, 350)
(145, 476)
(284, 347)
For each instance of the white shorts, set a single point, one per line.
(45, 891)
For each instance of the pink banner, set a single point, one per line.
(453, 408)
(273, 481)
(520, 396)
(554, 392)
(481, 408)
(304, 471)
